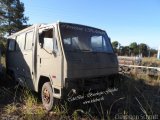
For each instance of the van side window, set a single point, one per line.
(48, 43)
(20, 42)
(11, 45)
(29, 39)
(46, 39)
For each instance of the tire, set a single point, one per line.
(47, 96)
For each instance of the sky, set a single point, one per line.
(125, 21)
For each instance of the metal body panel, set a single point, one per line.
(20, 61)
(82, 65)
(29, 65)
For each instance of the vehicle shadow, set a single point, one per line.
(15, 67)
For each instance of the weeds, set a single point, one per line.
(11, 108)
(75, 114)
(146, 102)
(31, 107)
(5, 92)
(152, 62)
(109, 112)
(60, 110)
(24, 103)
(29, 99)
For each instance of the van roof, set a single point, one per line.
(30, 27)
(45, 25)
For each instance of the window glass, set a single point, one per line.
(47, 40)
(29, 39)
(85, 39)
(48, 43)
(20, 42)
(75, 41)
(97, 43)
(67, 41)
(107, 46)
(71, 43)
(11, 45)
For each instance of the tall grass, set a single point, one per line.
(25, 104)
(151, 61)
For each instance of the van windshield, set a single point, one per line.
(82, 38)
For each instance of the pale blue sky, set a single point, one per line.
(125, 21)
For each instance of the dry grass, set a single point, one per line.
(22, 104)
(154, 62)
(30, 104)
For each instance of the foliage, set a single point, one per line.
(134, 49)
(12, 17)
(143, 49)
(115, 45)
(153, 52)
(125, 51)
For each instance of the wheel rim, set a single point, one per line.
(46, 96)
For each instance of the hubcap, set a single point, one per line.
(46, 96)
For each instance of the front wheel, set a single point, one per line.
(47, 96)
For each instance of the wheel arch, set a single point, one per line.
(41, 81)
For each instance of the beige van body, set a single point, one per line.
(64, 54)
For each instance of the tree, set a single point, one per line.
(125, 50)
(134, 48)
(143, 49)
(12, 17)
(115, 45)
(153, 52)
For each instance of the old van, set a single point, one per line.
(55, 59)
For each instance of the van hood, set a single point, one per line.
(90, 64)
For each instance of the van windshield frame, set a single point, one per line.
(84, 39)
